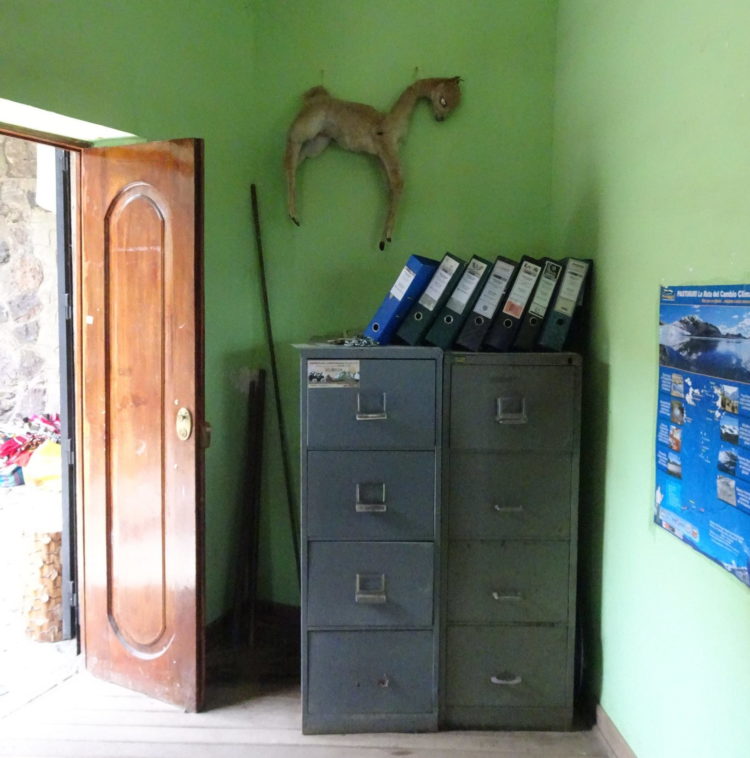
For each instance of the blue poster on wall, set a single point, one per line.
(703, 422)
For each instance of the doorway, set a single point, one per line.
(139, 411)
(38, 629)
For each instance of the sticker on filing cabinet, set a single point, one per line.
(332, 374)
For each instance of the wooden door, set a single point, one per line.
(141, 337)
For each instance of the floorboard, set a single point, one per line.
(85, 718)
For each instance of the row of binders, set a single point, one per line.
(521, 305)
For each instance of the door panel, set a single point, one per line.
(141, 349)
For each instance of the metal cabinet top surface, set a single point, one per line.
(375, 351)
(424, 351)
(515, 359)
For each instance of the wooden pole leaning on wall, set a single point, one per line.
(246, 583)
(275, 380)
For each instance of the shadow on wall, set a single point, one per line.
(273, 507)
(237, 416)
(582, 241)
(591, 529)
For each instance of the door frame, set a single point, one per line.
(69, 276)
(75, 148)
(65, 169)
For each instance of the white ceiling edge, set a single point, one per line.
(27, 117)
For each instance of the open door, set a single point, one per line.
(142, 417)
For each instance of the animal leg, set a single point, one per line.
(314, 146)
(296, 152)
(291, 159)
(392, 166)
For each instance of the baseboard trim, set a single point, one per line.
(610, 734)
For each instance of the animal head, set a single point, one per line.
(445, 96)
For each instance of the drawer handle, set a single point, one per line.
(370, 598)
(380, 415)
(375, 506)
(371, 507)
(384, 681)
(506, 682)
(507, 597)
(507, 508)
(511, 410)
(370, 589)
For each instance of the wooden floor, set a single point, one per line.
(85, 718)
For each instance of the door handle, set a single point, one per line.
(184, 424)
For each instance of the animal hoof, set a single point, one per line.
(296, 221)
(382, 245)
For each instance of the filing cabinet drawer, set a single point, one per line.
(370, 584)
(392, 405)
(370, 672)
(508, 582)
(513, 495)
(507, 666)
(374, 495)
(500, 407)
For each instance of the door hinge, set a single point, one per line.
(67, 307)
(70, 453)
(73, 594)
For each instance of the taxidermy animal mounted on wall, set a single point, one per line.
(362, 129)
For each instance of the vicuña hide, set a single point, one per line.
(363, 129)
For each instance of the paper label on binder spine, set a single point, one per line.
(438, 283)
(402, 283)
(570, 288)
(543, 295)
(522, 289)
(466, 286)
(494, 289)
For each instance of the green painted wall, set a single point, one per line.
(652, 179)
(232, 73)
(478, 183)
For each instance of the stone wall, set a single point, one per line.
(29, 342)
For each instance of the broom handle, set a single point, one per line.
(275, 379)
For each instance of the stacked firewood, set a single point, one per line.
(43, 591)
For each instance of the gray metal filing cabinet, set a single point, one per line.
(370, 465)
(511, 443)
